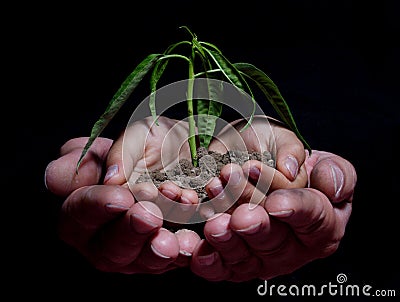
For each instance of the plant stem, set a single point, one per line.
(192, 123)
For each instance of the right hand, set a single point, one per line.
(114, 230)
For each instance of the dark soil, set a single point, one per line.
(210, 163)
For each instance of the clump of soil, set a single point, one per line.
(210, 163)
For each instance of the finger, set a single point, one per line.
(120, 167)
(125, 154)
(311, 216)
(260, 175)
(144, 191)
(267, 179)
(162, 251)
(121, 243)
(333, 175)
(266, 134)
(186, 207)
(60, 175)
(238, 187)
(100, 146)
(253, 225)
(226, 242)
(289, 150)
(88, 209)
(290, 153)
(167, 199)
(176, 204)
(219, 199)
(207, 263)
(189, 197)
(188, 240)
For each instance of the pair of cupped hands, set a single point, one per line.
(280, 219)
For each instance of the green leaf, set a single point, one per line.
(119, 98)
(271, 91)
(232, 74)
(158, 70)
(208, 111)
(155, 77)
(226, 67)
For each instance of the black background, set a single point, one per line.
(335, 62)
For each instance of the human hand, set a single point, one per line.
(280, 232)
(90, 174)
(162, 148)
(105, 223)
(182, 204)
(236, 184)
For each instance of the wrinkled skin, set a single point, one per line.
(119, 226)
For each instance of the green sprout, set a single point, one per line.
(212, 63)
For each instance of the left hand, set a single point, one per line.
(283, 230)
(236, 184)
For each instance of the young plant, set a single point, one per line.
(212, 63)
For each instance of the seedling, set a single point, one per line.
(212, 63)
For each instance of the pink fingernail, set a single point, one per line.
(111, 171)
(283, 213)
(45, 173)
(222, 237)
(254, 173)
(217, 191)
(207, 259)
(252, 229)
(169, 194)
(142, 225)
(155, 251)
(115, 208)
(185, 253)
(338, 179)
(292, 165)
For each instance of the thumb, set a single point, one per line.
(290, 154)
(124, 155)
(333, 175)
(310, 215)
(60, 175)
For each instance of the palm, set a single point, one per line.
(265, 134)
(148, 147)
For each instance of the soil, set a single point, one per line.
(210, 163)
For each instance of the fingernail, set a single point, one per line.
(338, 179)
(169, 194)
(186, 205)
(217, 192)
(207, 259)
(283, 213)
(115, 208)
(142, 225)
(222, 237)
(292, 165)
(254, 228)
(254, 173)
(185, 201)
(45, 174)
(155, 251)
(111, 171)
(185, 253)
